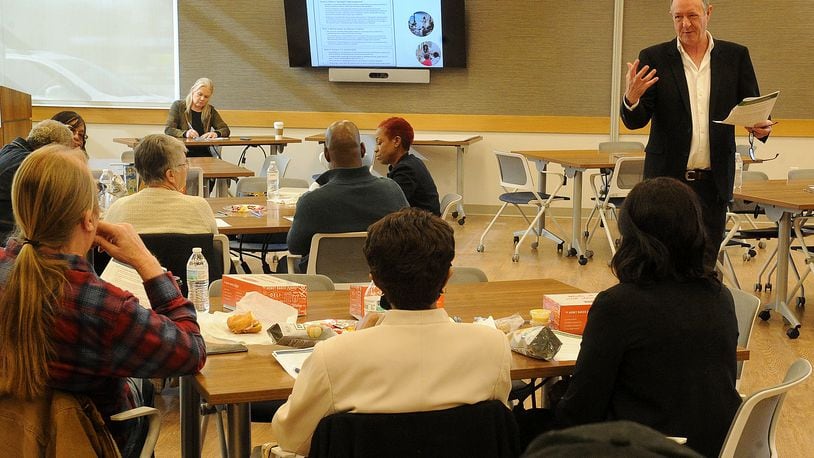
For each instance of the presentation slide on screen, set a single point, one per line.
(375, 33)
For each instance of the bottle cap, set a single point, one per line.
(196, 250)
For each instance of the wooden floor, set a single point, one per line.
(771, 351)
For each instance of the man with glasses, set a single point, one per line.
(12, 155)
(681, 87)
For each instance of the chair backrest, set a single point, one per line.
(339, 257)
(487, 428)
(467, 275)
(215, 288)
(293, 183)
(801, 174)
(515, 173)
(621, 147)
(250, 186)
(753, 429)
(173, 252)
(195, 186)
(128, 157)
(314, 282)
(746, 308)
(448, 203)
(743, 150)
(282, 164)
(738, 205)
(628, 172)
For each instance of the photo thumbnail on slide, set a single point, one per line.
(375, 33)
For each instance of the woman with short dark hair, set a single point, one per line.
(660, 347)
(77, 125)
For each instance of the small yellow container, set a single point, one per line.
(540, 317)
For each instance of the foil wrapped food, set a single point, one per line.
(536, 342)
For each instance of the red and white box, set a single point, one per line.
(234, 287)
(569, 312)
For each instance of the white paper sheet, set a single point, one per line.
(214, 328)
(751, 110)
(126, 278)
(570, 346)
(222, 223)
(292, 360)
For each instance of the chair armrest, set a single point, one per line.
(154, 425)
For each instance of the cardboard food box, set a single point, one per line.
(234, 287)
(358, 308)
(569, 312)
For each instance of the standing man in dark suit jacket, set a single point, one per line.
(681, 87)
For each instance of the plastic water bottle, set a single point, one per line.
(738, 171)
(272, 181)
(198, 280)
(105, 189)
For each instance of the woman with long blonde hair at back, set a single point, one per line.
(64, 328)
(194, 117)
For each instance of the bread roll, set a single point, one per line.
(243, 323)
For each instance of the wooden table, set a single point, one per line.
(272, 221)
(575, 162)
(276, 145)
(242, 378)
(460, 148)
(781, 200)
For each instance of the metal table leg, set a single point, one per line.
(780, 305)
(459, 170)
(239, 427)
(190, 402)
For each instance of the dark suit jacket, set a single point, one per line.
(663, 355)
(667, 105)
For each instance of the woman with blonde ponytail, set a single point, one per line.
(64, 328)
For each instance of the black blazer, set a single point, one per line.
(667, 105)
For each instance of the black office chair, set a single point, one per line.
(173, 252)
(487, 428)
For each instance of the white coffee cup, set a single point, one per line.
(278, 130)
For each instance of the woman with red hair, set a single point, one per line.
(393, 139)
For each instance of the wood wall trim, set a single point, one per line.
(421, 122)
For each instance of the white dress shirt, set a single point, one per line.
(698, 85)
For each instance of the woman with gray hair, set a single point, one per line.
(194, 117)
(161, 206)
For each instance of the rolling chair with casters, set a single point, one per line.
(746, 307)
(449, 206)
(195, 183)
(627, 173)
(517, 181)
(462, 275)
(754, 427)
(128, 157)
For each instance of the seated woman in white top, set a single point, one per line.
(403, 363)
(162, 206)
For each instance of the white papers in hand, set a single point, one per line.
(292, 360)
(126, 278)
(751, 110)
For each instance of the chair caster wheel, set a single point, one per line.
(534, 245)
(589, 253)
(758, 287)
(462, 221)
(479, 249)
(761, 244)
(583, 260)
(617, 242)
(765, 315)
(752, 253)
(586, 234)
(768, 287)
(793, 333)
(560, 247)
(455, 214)
(572, 252)
(746, 257)
(516, 239)
(801, 302)
(515, 258)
